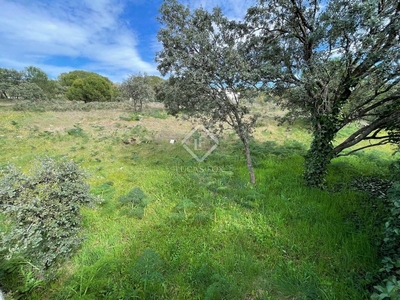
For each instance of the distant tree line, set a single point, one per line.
(33, 84)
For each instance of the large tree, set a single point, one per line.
(334, 62)
(8, 79)
(28, 84)
(90, 89)
(87, 86)
(67, 79)
(35, 75)
(202, 53)
(27, 91)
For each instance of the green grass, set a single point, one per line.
(205, 233)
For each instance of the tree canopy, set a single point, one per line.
(67, 79)
(89, 89)
(138, 89)
(8, 79)
(27, 91)
(87, 86)
(51, 88)
(31, 83)
(335, 64)
(202, 53)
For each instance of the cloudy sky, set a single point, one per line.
(110, 37)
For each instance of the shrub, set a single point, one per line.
(389, 288)
(133, 203)
(90, 89)
(42, 222)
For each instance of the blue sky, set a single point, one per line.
(114, 38)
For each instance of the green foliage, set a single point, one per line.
(43, 223)
(105, 191)
(77, 131)
(133, 203)
(158, 114)
(132, 117)
(395, 170)
(51, 88)
(147, 274)
(154, 81)
(8, 79)
(318, 158)
(141, 134)
(389, 288)
(295, 283)
(30, 84)
(275, 240)
(203, 53)
(62, 105)
(67, 79)
(137, 89)
(28, 91)
(35, 75)
(210, 284)
(89, 89)
(306, 54)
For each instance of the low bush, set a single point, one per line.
(63, 105)
(41, 220)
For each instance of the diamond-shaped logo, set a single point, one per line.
(199, 138)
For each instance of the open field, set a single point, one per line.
(205, 233)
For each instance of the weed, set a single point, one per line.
(133, 203)
(207, 233)
(77, 131)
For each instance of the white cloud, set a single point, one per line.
(91, 32)
(88, 30)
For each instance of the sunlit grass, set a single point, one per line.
(206, 233)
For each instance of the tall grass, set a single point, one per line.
(205, 232)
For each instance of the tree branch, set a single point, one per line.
(364, 147)
(363, 133)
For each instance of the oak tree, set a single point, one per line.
(202, 54)
(335, 62)
(8, 79)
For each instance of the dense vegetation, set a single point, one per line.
(87, 86)
(156, 224)
(32, 84)
(41, 223)
(334, 63)
(170, 227)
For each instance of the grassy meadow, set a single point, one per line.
(203, 231)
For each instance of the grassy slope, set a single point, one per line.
(206, 233)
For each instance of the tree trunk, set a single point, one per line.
(249, 160)
(320, 154)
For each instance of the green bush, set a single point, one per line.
(389, 288)
(90, 89)
(41, 219)
(63, 105)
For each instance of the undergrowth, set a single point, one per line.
(172, 228)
